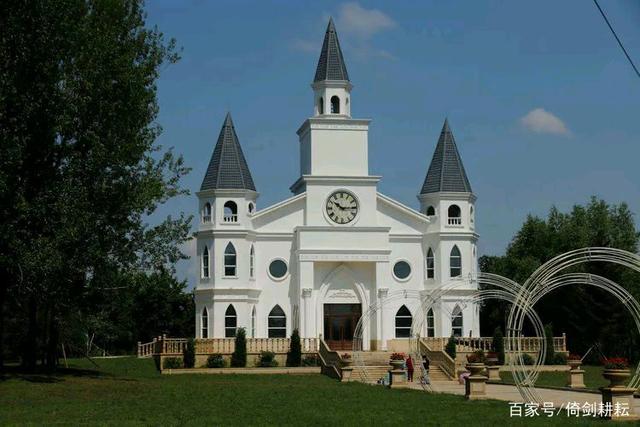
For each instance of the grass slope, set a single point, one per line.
(593, 378)
(130, 392)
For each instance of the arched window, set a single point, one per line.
(454, 214)
(277, 326)
(206, 213)
(431, 323)
(455, 262)
(204, 323)
(471, 214)
(205, 263)
(456, 322)
(251, 207)
(230, 212)
(321, 105)
(230, 322)
(335, 105)
(252, 260)
(253, 322)
(431, 211)
(431, 265)
(230, 260)
(403, 322)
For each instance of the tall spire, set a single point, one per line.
(331, 64)
(228, 168)
(446, 172)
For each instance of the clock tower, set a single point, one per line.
(334, 158)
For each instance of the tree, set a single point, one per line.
(189, 354)
(548, 336)
(498, 345)
(239, 356)
(596, 224)
(81, 171)
(450, 349)
(294, 356)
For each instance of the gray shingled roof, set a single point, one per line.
(331, 64)
(446, 172)
(228, 167)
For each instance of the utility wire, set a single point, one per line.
(617, 39)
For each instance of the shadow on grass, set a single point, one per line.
(43, 375)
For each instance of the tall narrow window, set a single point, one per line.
(230, 322)
(335, 105)
(253, 322)
(206, 213)
(431, 211)
(277, 326)
(431, 265)
(431, 323)
(205, 263)
(252, 256)
(230, 260)
(204, 323)
(455, 262)
(321, 106)
(456, 322)
(230, 212)
(403, 322)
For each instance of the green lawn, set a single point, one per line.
(130, 391)
(592, 378)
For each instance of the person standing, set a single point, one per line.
(409, 369)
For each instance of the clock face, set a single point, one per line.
(342, 207)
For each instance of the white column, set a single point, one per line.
(382, 294)
(306, 316)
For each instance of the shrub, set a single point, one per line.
(189, 354)
(267, 359)
(239, 356)
(215, 361)
(310, 361)
(548, 335)
(294, 356)
(574, 357)
(498, 345)
(527, 359)
(450, 349)
(172, 363)
(397, 356)
(559, 359)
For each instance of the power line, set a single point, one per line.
(616, 36)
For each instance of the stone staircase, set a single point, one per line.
(376, 366)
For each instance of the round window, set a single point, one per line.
(401, 270)
(278, 269)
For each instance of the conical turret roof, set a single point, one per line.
(446, 172)
(228, 168)
(331, 64)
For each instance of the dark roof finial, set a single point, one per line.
(228, 168)
(446, 172)
(331, 64)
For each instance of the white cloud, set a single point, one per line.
(541, 121)
(361, 22)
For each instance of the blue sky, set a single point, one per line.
(544, 106)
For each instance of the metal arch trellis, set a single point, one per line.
(545, 280)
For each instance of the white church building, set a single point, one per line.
(319, 259)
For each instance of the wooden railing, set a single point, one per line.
(469, 344)
(439, 358)
(164, 345)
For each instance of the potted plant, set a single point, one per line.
(574, 361)
(616, 370)
(475, 362)
(397, 360)
(345, 359)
